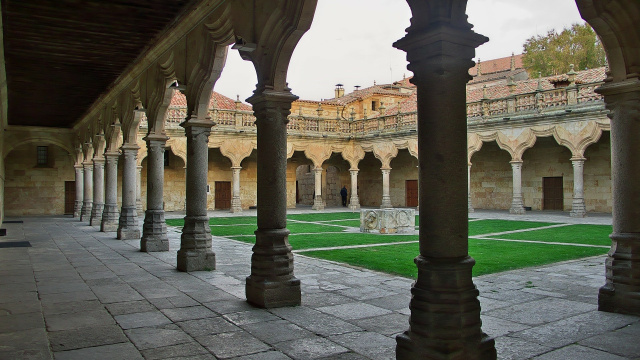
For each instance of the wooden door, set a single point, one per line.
(552, 193)
(69, 196)
(223, 194)
(412, 193)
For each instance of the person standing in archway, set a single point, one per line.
(343, 193)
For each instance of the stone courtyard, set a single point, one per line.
(78, 293)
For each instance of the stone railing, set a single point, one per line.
(528, 105)
(536, 102)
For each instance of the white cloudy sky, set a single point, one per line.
(350, 42)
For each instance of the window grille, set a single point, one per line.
(43, 156)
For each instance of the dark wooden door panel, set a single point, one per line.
(412, 193)
(69, 196)
(223, 194)
(552, 193)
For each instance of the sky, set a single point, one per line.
(350, 42)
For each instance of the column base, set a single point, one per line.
(578, 209)
(386, 203)
(128, 224)
(77, 209)
(517, 209)
(272, 283)
(96, 214)
(110, 216)
(354, 204)
(154, 232)
(445, 314)
(236, 206)
(470, 208)
(195, 252)
(318, 204)
(85, 215)
(621, 292)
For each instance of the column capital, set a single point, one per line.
(236, 168)
(111, 154)
(516, 162)
(98, 161)
(354, 170)
(197, 123)
(271, 98)
(387, 169)
(78, 166)
(578, 160)
(160, 138)
(130, 147)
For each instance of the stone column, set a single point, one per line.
(139, 188)
(517, 205)
(621, 292)
(470, 208)
(354, 202)
(128, 223)
(386, 198)
(577, 207)
(77, 210)
(445, 311)
(98, 191)
(318, 204)
(236, 204)
(272, 282)
(110, 213)
(154, 229)
(195, 243)
(87, 202)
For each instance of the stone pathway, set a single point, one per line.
(81, 294)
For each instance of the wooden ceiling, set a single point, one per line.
(61, 55)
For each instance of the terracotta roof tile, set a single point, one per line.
(217, 100)
(496, 65)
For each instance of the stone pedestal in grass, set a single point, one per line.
(388, 221)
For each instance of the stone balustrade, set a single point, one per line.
(527, 105)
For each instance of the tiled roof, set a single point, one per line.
(365, 93)
(217, 100)
(496, 65)
(495, 76)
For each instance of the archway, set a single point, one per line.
(491, 178)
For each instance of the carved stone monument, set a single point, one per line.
(388, 221)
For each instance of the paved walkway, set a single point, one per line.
(78, 293)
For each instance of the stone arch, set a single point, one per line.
(385, 152)
(9, 146)
(491, 177)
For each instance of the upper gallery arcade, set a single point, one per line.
(108, 108)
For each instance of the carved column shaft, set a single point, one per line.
(110, 213)
(236, 204)
(354, 202)
(445, 311)
(139, 189)
(272, 283)
(517, 204)
(77, 210)
(578, 208)
(87, 202)
(154, 229)
(318, 203)
(621, 292)
(195, 243)
(128, 223)
(386, 197)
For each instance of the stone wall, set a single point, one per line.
(306, 184)
(597, 175)
(370, 181)
(546, 159)
(2, 177)
(491, 178)
(33, 190)
(249, 181)
(403, 167)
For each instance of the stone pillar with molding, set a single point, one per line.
(386, 194)
(154, 228)
(470, 205)
(578, 208)
(87, 202)
(98, 191)
(77, 209)
(318, 203)
(517, 204)
(272, 282)
(445, 311)
(354, 201)
(236, 203)
(195, 242)
(128, 223)
(621, 292)
(139, 188)
(110, 214)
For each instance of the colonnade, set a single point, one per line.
(445, 312)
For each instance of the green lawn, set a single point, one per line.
(491, 255)
(572, 234)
